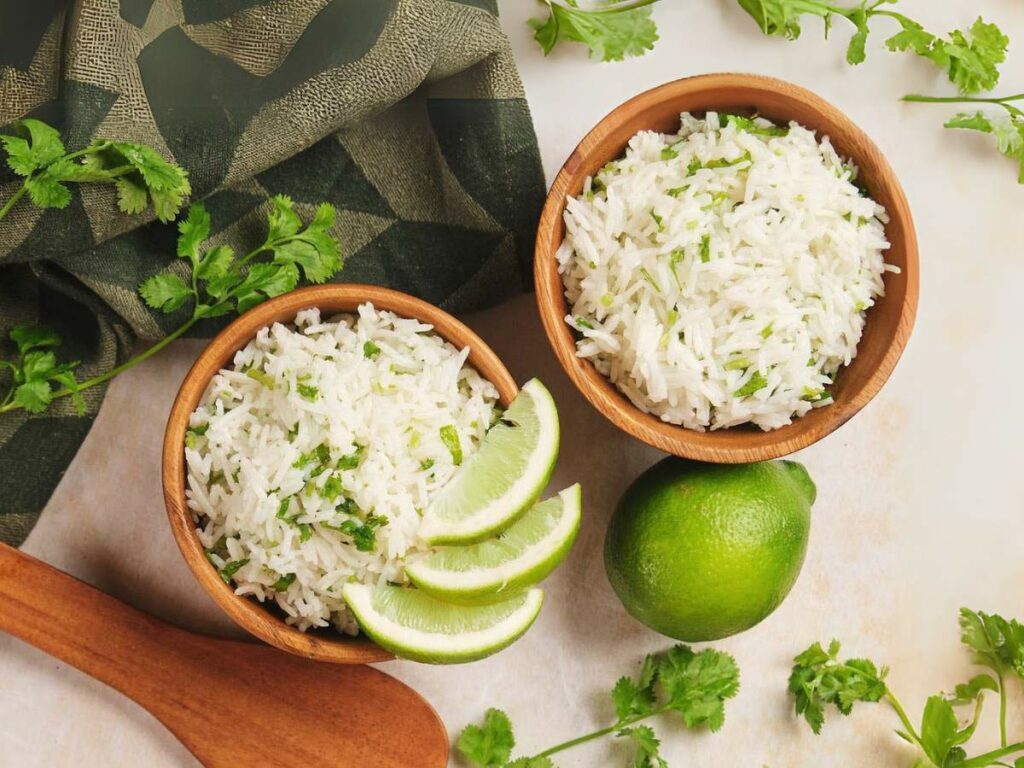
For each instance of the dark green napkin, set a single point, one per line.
(407, 115)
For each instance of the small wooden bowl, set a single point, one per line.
(889, 322)
(324, 645)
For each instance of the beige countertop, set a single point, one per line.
(920, 507)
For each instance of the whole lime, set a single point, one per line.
(702, 551)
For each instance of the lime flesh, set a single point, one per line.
(519, 557)
(503, 478)
(413, 625)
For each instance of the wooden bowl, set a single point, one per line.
(889, 322)
(322, 645)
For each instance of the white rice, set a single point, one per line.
(379, 416)
(721, 276)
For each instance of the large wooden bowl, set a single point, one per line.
(330, 299)
(889, 322)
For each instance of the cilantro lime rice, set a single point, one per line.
(721, 276)
(311, 460)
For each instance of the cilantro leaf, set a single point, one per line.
(157, 173)
(47, 192)
(131, 195)
(995, 642)
(36, 365)
(283, 582)
(966, 693)
(165, 291)
(35, 372)
(42, 147)
(971, 57)
(633, 698)
(192, 231)
(34, 396)
(756, 127)
(352, 460)
(972, 122)
(332, 489)
(261, 377)
(938, 729)
(913, 38)
(490, 744)
(975, 56)
(450, 438)
(305, 255)
(215, 263)
(698, 684)
(265, 281)
(364, 535)
(283, 222)
(166, 204)
(230, 569)
(756, 383)
(610, 33)
(314, 249)
(781, 18)
(647, 746)
(819, 679)
(19, 154)
(28, 337)
(856, 51)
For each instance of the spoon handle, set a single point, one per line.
(77, 623)
(229, 703)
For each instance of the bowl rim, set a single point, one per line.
(602, 393)
(248, 613)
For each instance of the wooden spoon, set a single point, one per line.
(229, 703)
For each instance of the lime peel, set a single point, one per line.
(528, 551)
(427, 635)
(503, 478)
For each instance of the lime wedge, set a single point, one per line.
(416, 626)
(503, 478)
(524, 554)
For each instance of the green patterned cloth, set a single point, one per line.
(408, 115)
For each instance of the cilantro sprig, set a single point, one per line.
(221, 282)
(615, 29)
(611, 31)
(820, 679)
(216, 283)
(970, 57)
(694, 684)
(35, 372)
(139, 173)
(1006, 127)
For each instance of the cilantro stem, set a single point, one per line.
(10, 394)
(989, 758)
(1003, 102)
(20, 193)
(1002, 708)
(901, 713)
(960, 99)
(623, 5)
(603, 732)
(269, 245)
